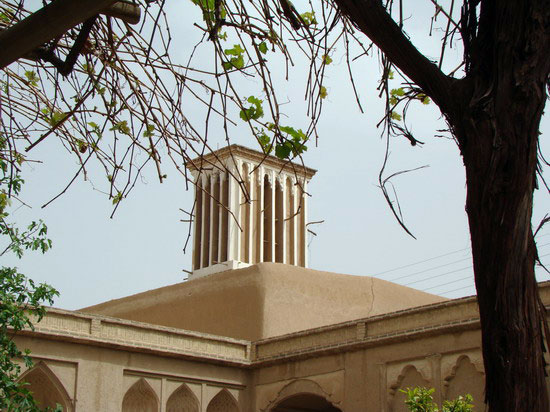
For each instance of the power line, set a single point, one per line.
(446, 273)
(437, 276)
(427, 270)
(440, 256)
(456, 290)
(448, 283)
(422, 261)
(458, 280)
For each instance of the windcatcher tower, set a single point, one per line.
(249, 208)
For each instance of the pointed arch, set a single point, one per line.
(140, 398)
(182, 400)
(223, 402)
(410, 377)
(465, 378)
(47, 389)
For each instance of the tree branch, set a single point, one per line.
(370, 17)
(49, 22)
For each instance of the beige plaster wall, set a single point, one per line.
(97, 378)
(369, 379)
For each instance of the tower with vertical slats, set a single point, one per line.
(249, 208)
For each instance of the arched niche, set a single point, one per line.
(302, 392)
(305, 402)
(409, 377)
(140, 398)
(223, 402)
(465, 378)
(46, 388)
(182, 400)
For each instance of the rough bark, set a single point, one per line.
(497, 127)
(494, 114)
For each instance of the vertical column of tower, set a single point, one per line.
(300, 205)
(205, 249)
(279, 220)
(303, 223)
(224, 217)
(197, 224)
(295, 235)
(273, 214)
(260, 215)
(234, 239)
(267, 218)
(284, 219)
(289, 222)
(250, 216)
(215, 213)
(244, 219)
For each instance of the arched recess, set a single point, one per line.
(47, 389)
(140, 398)
(465, 378)
(182, 400)
(303, 402)
(410, 377)
(223, 402)
(299, 393)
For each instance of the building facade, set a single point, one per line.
(253, 329)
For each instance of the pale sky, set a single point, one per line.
(96, 258)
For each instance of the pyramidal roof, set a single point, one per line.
(265, 300)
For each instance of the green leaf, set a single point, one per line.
(323, 92)
(90, 69)
(395, 116)
(121, 127)
(117, 198)
(423, 98)
(236, 50)
(327, 59)
(397, 92)
(253, 112)
(149, 129)
(309, 18)
(6, 15)
(57, 117)
(282, 151)
(262, 47)
(32, 78)
(234, 62)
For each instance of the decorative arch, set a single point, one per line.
(298, 388)
(466, 378)
(140, 398)
(410, 377)
(223, 402)
(47, 389)
(182, 400)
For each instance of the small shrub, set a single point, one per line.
(421, 400)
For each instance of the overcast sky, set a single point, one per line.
(96, 258)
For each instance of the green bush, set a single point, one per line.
(421, 400)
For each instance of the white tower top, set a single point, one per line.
(249, 208)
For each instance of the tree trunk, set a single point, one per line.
(499, 138)
(494, 114)
(497, 126)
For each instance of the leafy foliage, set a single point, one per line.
(21, 298)
(420, 399)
